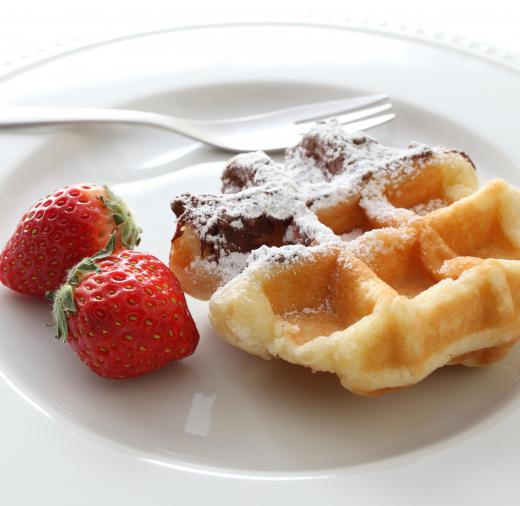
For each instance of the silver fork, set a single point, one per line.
(270, 131)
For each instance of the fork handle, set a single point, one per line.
(24, 116)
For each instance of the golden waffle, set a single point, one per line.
(387, 309)
(386, 293)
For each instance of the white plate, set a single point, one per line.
(223, 425)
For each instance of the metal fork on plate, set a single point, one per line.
(270, 131)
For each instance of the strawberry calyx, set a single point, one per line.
(63, 298)
(123, 217)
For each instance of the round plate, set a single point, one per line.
(223, 422)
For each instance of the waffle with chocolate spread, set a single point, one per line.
(374, 263)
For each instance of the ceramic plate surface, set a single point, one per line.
(223, 425)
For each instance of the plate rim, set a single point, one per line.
(43, 55)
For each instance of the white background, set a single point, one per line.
(27, 26)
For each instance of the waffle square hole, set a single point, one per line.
(394, 255)
(317, 297)
(423, 192)
(483, 226)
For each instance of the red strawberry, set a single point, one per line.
(124, 313)
(60, 230)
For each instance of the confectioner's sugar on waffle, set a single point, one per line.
(333, 164)
(428, 207)
(328, 167)
(284, 255)
(353, 234)
(244, 167)
(324, 307)
(228, 267)
(376, 242)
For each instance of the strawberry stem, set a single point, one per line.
(63, 298)
(62, 308)
(123, 217)
(88, 264)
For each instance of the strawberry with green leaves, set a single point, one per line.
(124, 313)
(61, 229)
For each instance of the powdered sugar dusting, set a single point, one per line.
(333, 165)
(428, 207)
(228, 266)
(244, 164)
(376, 243)
(285, 255)
(324, 307)
(264, 201)
(353, 234)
